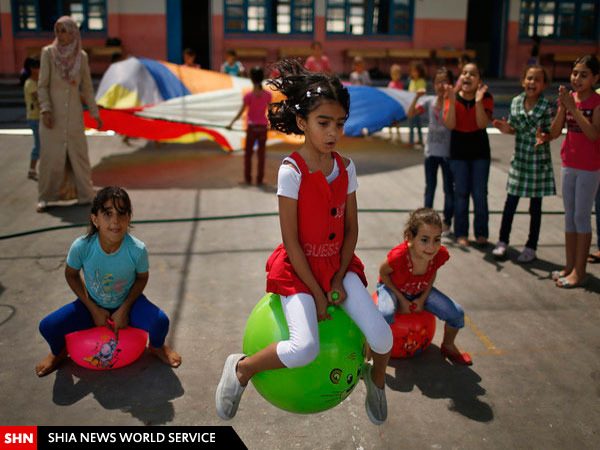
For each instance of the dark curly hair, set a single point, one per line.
(305, 91)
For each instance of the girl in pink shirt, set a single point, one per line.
(256, 101)
(580, 173)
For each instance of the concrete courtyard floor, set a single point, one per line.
(535, 382)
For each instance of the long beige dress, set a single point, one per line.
(65, 171)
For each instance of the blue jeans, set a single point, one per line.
(431, 168)
(76, 317)
(470, 180)
(437, 303)
(414, 122)
(35, 127)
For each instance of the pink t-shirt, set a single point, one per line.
(396, 84)
(257, 107)
(577, 151)
(314, 65)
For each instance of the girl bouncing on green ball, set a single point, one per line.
(315, 266)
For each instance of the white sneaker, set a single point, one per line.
(375, 403)
(527, 255)
(446, 230)
(500, 250)
(229, 391)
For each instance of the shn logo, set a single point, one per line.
(18, 438)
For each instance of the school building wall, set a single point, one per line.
(143, 26)
(430, 16)
(140, 24)
(518, 50)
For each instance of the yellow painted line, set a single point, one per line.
(482, 337)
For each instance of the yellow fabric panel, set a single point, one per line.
(119, 97)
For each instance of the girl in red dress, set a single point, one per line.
(316, 265)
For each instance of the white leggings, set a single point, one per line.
(301, 314)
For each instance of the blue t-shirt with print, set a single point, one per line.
(108, 277)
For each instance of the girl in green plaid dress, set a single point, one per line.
(530, 174)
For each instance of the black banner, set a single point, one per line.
(175, 437)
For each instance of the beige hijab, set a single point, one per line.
(67, 57)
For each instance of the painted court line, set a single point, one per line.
(483, 338)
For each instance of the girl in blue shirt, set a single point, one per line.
(115, 269)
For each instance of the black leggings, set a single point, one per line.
(535, 212)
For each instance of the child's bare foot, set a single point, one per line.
(166, 355)
(49, 363)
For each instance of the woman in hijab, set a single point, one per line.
(65, 171)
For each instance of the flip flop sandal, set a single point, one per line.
(593, 259)
(556, 274)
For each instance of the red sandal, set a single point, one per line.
(458, 358)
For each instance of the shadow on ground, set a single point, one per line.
(144, 389)
(206, 166)
(437, 378)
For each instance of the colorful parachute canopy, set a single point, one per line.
(161, 101)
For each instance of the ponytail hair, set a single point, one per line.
(31, 62)
(304, 91)
(419, 217)
(590, 61)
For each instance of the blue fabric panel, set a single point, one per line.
(372, 109)
(167, 83)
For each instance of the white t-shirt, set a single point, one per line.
(288, 179)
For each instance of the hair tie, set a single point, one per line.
(308, 94)
(297, 106)
(319, 90)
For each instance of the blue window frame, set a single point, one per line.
(562, 20)
(37, 17)
(281, 17)
(370, 17)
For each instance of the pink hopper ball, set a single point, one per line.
(412, 332)
(97, 348)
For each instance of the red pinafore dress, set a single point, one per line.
(321, 209)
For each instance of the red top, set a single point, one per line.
(320, 65)
(321, 210)
(402, 276)
(577, 151)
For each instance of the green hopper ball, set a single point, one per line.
(323, 383)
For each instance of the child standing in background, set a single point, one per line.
(232, 66)
(30, 76)
(189, 58)
(437, 145)
(396, 83)
(256, 101)
(467, 113)
(317, 62)
(530, 173)
(580, 172)
(417, 81)
(359, 75)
